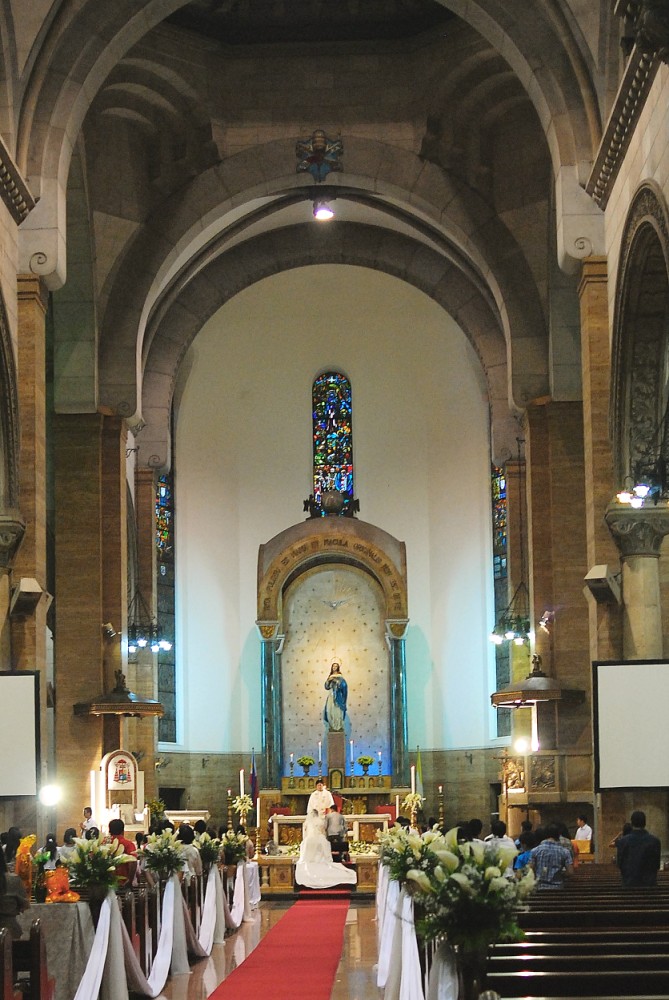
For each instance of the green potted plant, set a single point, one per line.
(365, 762)
(306, 762)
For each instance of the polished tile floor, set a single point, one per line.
(355, 978)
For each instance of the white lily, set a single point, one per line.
(420, 878)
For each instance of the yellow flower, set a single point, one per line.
(447, 859)
(492, 872)
(462, 881)
(478, 850)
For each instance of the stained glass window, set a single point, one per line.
(164, 540)
(499, 522)
(333, 437)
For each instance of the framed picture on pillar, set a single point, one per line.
(335, 778)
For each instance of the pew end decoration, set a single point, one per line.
(234, 847)
(209, 848)
(163, 854)
(94, 863)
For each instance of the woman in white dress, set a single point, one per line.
(316, 869)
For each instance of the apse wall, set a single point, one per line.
(243, 468)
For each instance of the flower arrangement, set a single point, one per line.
(363, 847)
(234, 847)
(39, 885)
(465, 895)
(365, 760)
(163, 854)
(242, 804)
(413, 802)
(23, 865)
(305, 760)
(403, 852)
(93, 862)
(209, 848)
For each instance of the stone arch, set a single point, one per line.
(192, 227)
(640, 352)
(84, 42)
(448, 284)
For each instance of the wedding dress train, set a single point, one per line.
(316, 869)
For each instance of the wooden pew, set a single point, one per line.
(30, 956)
(6, 965)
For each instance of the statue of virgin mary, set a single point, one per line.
(334, 712)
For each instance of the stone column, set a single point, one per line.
(558, 564)
(605, 620)
(143, 733)
(79, 571)
(399, 737)
(272, 725)
(638, 535)
(29, 631)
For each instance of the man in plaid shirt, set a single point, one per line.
(550, 860)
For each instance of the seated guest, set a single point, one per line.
(550, 860)
(92, 833)
(68, 845)
(192, 859)
(638, 854)
(13, 899)
(526, 841)
(11, 845)
(525, 827)
(474, 829)
(51, 847)
(117, 832)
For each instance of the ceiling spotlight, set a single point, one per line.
(322, 211)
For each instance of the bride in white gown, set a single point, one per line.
(316, 869)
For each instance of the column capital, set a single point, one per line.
(396, 628)
(12, 529)
(637, 532)
(31, 287)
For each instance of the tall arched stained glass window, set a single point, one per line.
(333, 436)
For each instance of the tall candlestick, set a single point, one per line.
(351, 745)
(241, 781)
(413, 779)
(258, 812)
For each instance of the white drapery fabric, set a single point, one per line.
(404, 977)
(443, 980)
(389, 922)
(89, 987)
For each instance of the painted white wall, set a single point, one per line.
(243, 468)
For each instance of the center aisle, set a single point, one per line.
(297, 958)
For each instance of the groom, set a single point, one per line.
(320, 799)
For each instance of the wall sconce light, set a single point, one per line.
(205, 761)
(109, 632)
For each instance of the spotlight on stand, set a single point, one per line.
(322, 211)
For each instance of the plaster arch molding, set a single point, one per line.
(329, 540)
(289, 558)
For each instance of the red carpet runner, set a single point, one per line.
(297, 959)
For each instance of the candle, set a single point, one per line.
(397, 806)
(379, 755)
(241, 781)
(258, 812)
(291, 758)
(229, 792)
(441, 789)
(413, 779)
(351, 744)
(319, 751)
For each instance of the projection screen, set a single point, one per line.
(19, 733)
(631, 712)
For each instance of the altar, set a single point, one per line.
(361, 826)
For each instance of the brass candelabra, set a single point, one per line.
(229, 810)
